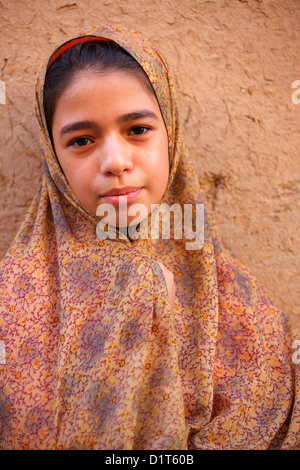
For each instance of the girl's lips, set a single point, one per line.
(118, 199)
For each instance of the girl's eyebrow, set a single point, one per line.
(145, 113)
(77, 126)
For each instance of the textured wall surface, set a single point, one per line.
(234, 63)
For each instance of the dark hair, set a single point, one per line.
(94, 56)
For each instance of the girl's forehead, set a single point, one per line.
(132, 90)
(153, 68)
(108, 94)
(114, 77)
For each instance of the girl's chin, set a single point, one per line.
(116, 217)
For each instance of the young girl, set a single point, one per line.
(98, 350)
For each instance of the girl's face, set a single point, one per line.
(111, 141)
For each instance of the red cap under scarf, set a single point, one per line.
(74, 43)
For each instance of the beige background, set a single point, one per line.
(234, 63)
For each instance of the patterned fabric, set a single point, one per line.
(95, 358)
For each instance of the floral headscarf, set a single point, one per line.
(92, 354)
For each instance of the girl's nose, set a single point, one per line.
(115, 157)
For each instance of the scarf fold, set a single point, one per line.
(95, 358)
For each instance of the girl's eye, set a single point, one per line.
(138, 130)
(81, 142)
